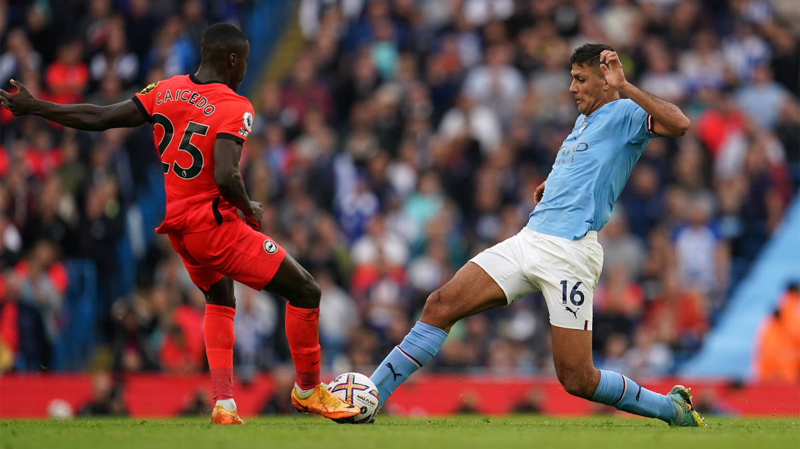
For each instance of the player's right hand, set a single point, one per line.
(538, 194)
(18, 103)
(253, 216)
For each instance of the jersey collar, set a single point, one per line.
(601, 107)
(197, 81)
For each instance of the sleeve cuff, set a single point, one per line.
(650, 129)
(232, 137)
(141, 109)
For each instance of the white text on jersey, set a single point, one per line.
(193, 98)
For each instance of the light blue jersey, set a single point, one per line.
(592, 167)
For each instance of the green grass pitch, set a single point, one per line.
(458, 432)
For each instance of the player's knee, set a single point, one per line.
(572, 385)
(577, 382)
(310, 293)
(221, 294)
(437, 312)
(223, 301)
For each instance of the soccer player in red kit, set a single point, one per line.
(199, 126)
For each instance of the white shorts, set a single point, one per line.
(565, 271)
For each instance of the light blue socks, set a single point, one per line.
(424, 341)
(417, 349)
(618, 391)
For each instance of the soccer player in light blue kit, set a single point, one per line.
(557, 252)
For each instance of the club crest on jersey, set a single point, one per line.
(149, 88)
(270, 247)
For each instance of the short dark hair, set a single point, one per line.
(220, 40)
(588, 55)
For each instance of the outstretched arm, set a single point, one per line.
(229, 180)
(87, 117)
(668, 120)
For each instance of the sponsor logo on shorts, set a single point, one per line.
(270, 247)
(574, 312)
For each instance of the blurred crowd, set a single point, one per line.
(407, 136)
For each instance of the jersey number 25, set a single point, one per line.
(186, 145)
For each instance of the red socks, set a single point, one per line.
(219, 337)
(302, 332)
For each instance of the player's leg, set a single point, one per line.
(218, 332)
(219, 337)
(247, 256)
(492, 279)
(302, 292)
(572, 354)
(470, 291)
(294, 283)
(568, 275)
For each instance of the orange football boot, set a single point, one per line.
(324, 403)
(221, 415)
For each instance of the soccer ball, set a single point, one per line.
(357, 389)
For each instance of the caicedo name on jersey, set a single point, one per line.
(188, 96)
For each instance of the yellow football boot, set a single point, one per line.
(686, 415)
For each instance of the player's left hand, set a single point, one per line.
(611, 67)
(253, 216)
(18, 103)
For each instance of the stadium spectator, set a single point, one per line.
(790, 310)
(777, 358)
(255, 323)
(763, 98)
(620, 247)
(42, 281)
(619, 303)
(649, 357)
(24, 345)
(702, 257)
(305, 93)
(20, 56)
(338, 317)
(774, 344)
(130, 344)
(68, 77)
(497, 84)
(115, 57)
(139, 25)
(679, 315)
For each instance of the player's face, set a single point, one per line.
(588, 88)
